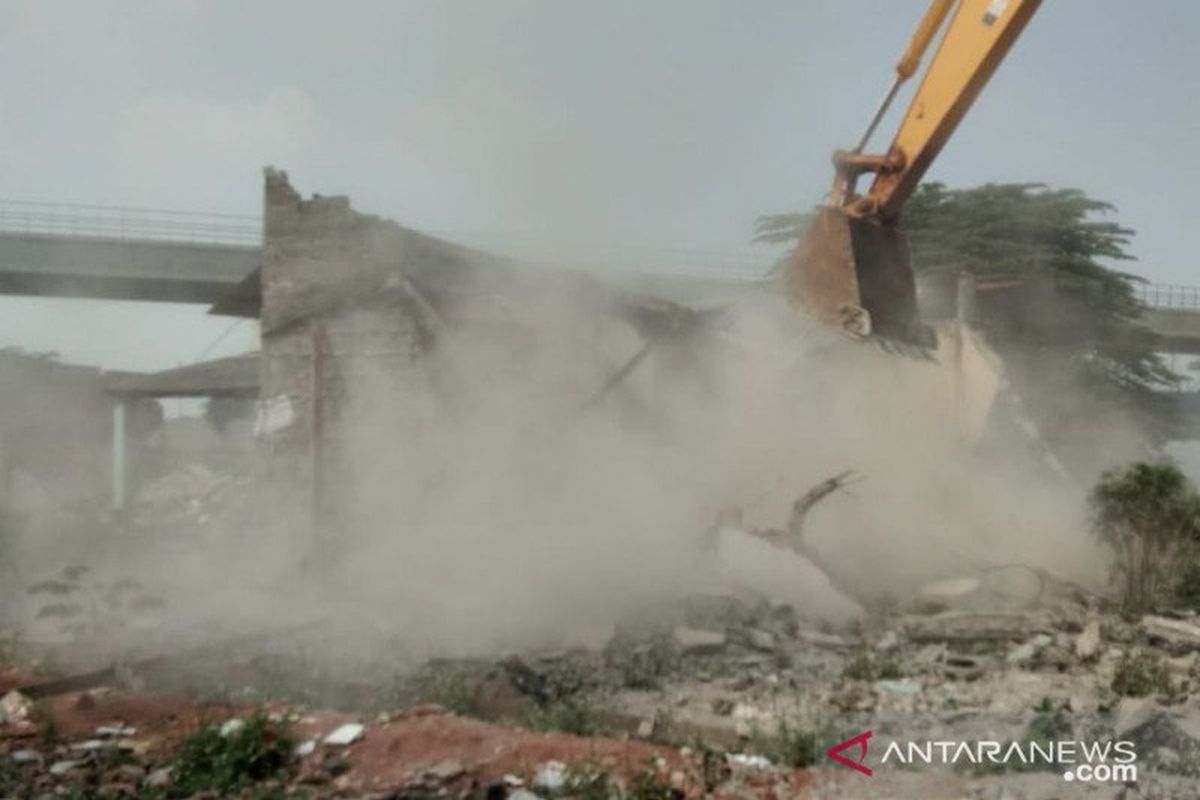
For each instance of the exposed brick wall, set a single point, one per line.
(316, 357)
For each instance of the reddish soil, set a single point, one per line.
(393, 754)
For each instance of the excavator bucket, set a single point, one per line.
(854, 275)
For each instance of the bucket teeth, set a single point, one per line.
(854, 275)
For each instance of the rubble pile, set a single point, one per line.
(711, 696)
(192, 495)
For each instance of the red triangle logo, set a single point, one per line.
(835, 753)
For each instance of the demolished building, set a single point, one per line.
(351, 305)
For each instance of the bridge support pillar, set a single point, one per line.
(119, 457)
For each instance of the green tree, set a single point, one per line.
(1149, 514)
(1051, 298)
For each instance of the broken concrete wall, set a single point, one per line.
(315, 352)
(56, 433)
(354, 306)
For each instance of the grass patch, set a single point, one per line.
(868, 666)
(589, 782)
(568, 715)
(650, 784)
(455, 690)
(207, 761)
(1141, 675)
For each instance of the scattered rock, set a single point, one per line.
(115, 731)
(345, 735)
(15, 708)
(946, 594)
(59, 768)
(550, 776)
(822, 639)
(898, 687)
(522, 794)
(758, 639)
(693, 641)
(446, 771)
(1087, 643)
(1021, 654)
(748, 761)
(888, 642)
(92, 745)
(961, 626)
(1180, 635)
(159, 778)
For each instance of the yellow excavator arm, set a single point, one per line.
(851, 268)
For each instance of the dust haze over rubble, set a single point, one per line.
(503, 509)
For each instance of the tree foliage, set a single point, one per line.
(1075, 311)
(1149, 514)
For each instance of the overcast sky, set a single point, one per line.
(639, 130)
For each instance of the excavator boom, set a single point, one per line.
(851, 268)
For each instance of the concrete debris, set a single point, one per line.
(159, 778)
(550, 776)
(15, 708)
(757, 639)
(961, 626)
(899, 687)
(115, 731)
(273, 415)
(93, 745)
(1087, 643)
(821, 639)
(947, 594)
(446, 771)
(748, 761)
(345, 735)
(694, 642)
(25, 756)
(888, 642)
(522, 794)
(181, 487)
(1178, 634)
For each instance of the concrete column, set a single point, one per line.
(119, 457)
(965, 305)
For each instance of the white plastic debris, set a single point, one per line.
(748, 761)
(306, 748)
(25, 756)
(551, 776)
(898, 686)
(523, 794)
(347, 734)
(273, 415)
(231, 726)
(63, 767)
(160, 778)
(15, 707)
(115, 731)
(92, 745)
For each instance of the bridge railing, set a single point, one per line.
(1169, 295)
(123, 222)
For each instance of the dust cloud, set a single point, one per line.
(510, 508)
(491, 499)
